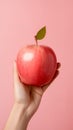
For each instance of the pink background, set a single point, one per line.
(19, 22)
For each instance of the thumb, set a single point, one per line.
(16, 77)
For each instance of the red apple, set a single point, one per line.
(36, 64)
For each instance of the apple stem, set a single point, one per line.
(36, 40)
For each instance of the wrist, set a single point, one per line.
(18, 119)
(20, 107)
(22, 115)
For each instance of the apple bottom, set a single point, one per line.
(36, 84)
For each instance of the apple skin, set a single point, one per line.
(36, 65)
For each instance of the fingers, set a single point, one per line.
(55, 76)
(37, 90)
(58, 65)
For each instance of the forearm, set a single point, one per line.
(17, 119)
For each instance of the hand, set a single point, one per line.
(27, 100)
(29, 96)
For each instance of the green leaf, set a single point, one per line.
(41, 33)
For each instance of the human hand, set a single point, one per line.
(29, 96)
(27, 100)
